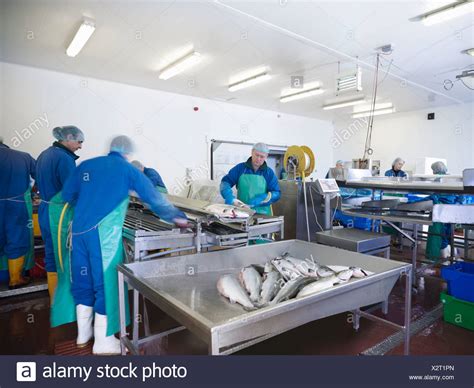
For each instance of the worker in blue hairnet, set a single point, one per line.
(16, 226)
(396, 170)
(152, 175)
(99, 191)
(53, 167)
(257, 184)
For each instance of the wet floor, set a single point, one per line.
(24, 328)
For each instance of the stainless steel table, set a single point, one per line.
(194, 302)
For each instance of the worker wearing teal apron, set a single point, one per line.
(257, 184)
(98, 190)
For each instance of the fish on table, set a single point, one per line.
(228, 211)
(229, 287)
(251, 280)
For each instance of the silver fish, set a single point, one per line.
(290, 289)
(305, 267)
(251, 280)
(272, 282)
(227, 211)
(288, 270)
(345, 275)
(338, 268)
(324, 271)
(360, 273)
(318, 285)
(229, 287)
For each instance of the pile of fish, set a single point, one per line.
(283, 278)
(229, 211)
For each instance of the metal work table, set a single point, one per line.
(145, 236)
(356, 240)
(449, 186)
(194, 302)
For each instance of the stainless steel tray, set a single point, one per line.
(195, 303)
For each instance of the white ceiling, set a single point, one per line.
(289, 36)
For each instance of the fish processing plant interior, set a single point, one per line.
(251, 178)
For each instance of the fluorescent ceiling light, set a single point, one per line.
(346, 102)
(180, 65)
(367, 108)
(468, 52)
(374, 113)
(349, 81)
(83, 34)
(302, 94)
(245, 83)
(445, 13)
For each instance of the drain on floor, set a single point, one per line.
(397, 339)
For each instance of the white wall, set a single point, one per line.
(169, 134)
(410, 135)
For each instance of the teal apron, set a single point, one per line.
(251, 185)
(63, 308)
(110, 235)
(30, 254)
(162, 189)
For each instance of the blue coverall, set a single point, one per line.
(16, 169)
(95, 188)
(398, 174)
(53, 167)
(154, 176)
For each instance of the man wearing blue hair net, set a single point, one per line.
(257, 184)
(53, 167)
(99, 191)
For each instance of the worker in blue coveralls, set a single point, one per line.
(153, 175)
(53, 167)
(257, 184)
(99, 191)
(396, 170)
(16, 226)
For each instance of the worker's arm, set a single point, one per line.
(229, 181)
(71, 187)
(157, 202)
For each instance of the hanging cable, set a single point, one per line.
(368, 139)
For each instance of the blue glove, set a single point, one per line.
(259, 200)
(227, 194)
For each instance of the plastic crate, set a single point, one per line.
(458, 312)
(460, 279)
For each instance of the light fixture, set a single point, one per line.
(346, 102)
(180, 65)
(376, 112)
(83, 34)
(366, 108)
(445, 13)
(302, 94)
(468, 52)
(245, 83)
(349, 81)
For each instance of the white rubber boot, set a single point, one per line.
(104, 345)
(84, 324)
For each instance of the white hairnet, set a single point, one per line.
(122, 144)
(138, 164)
(439, 168)
(68, 133)
(398, 160)
(261, 147)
